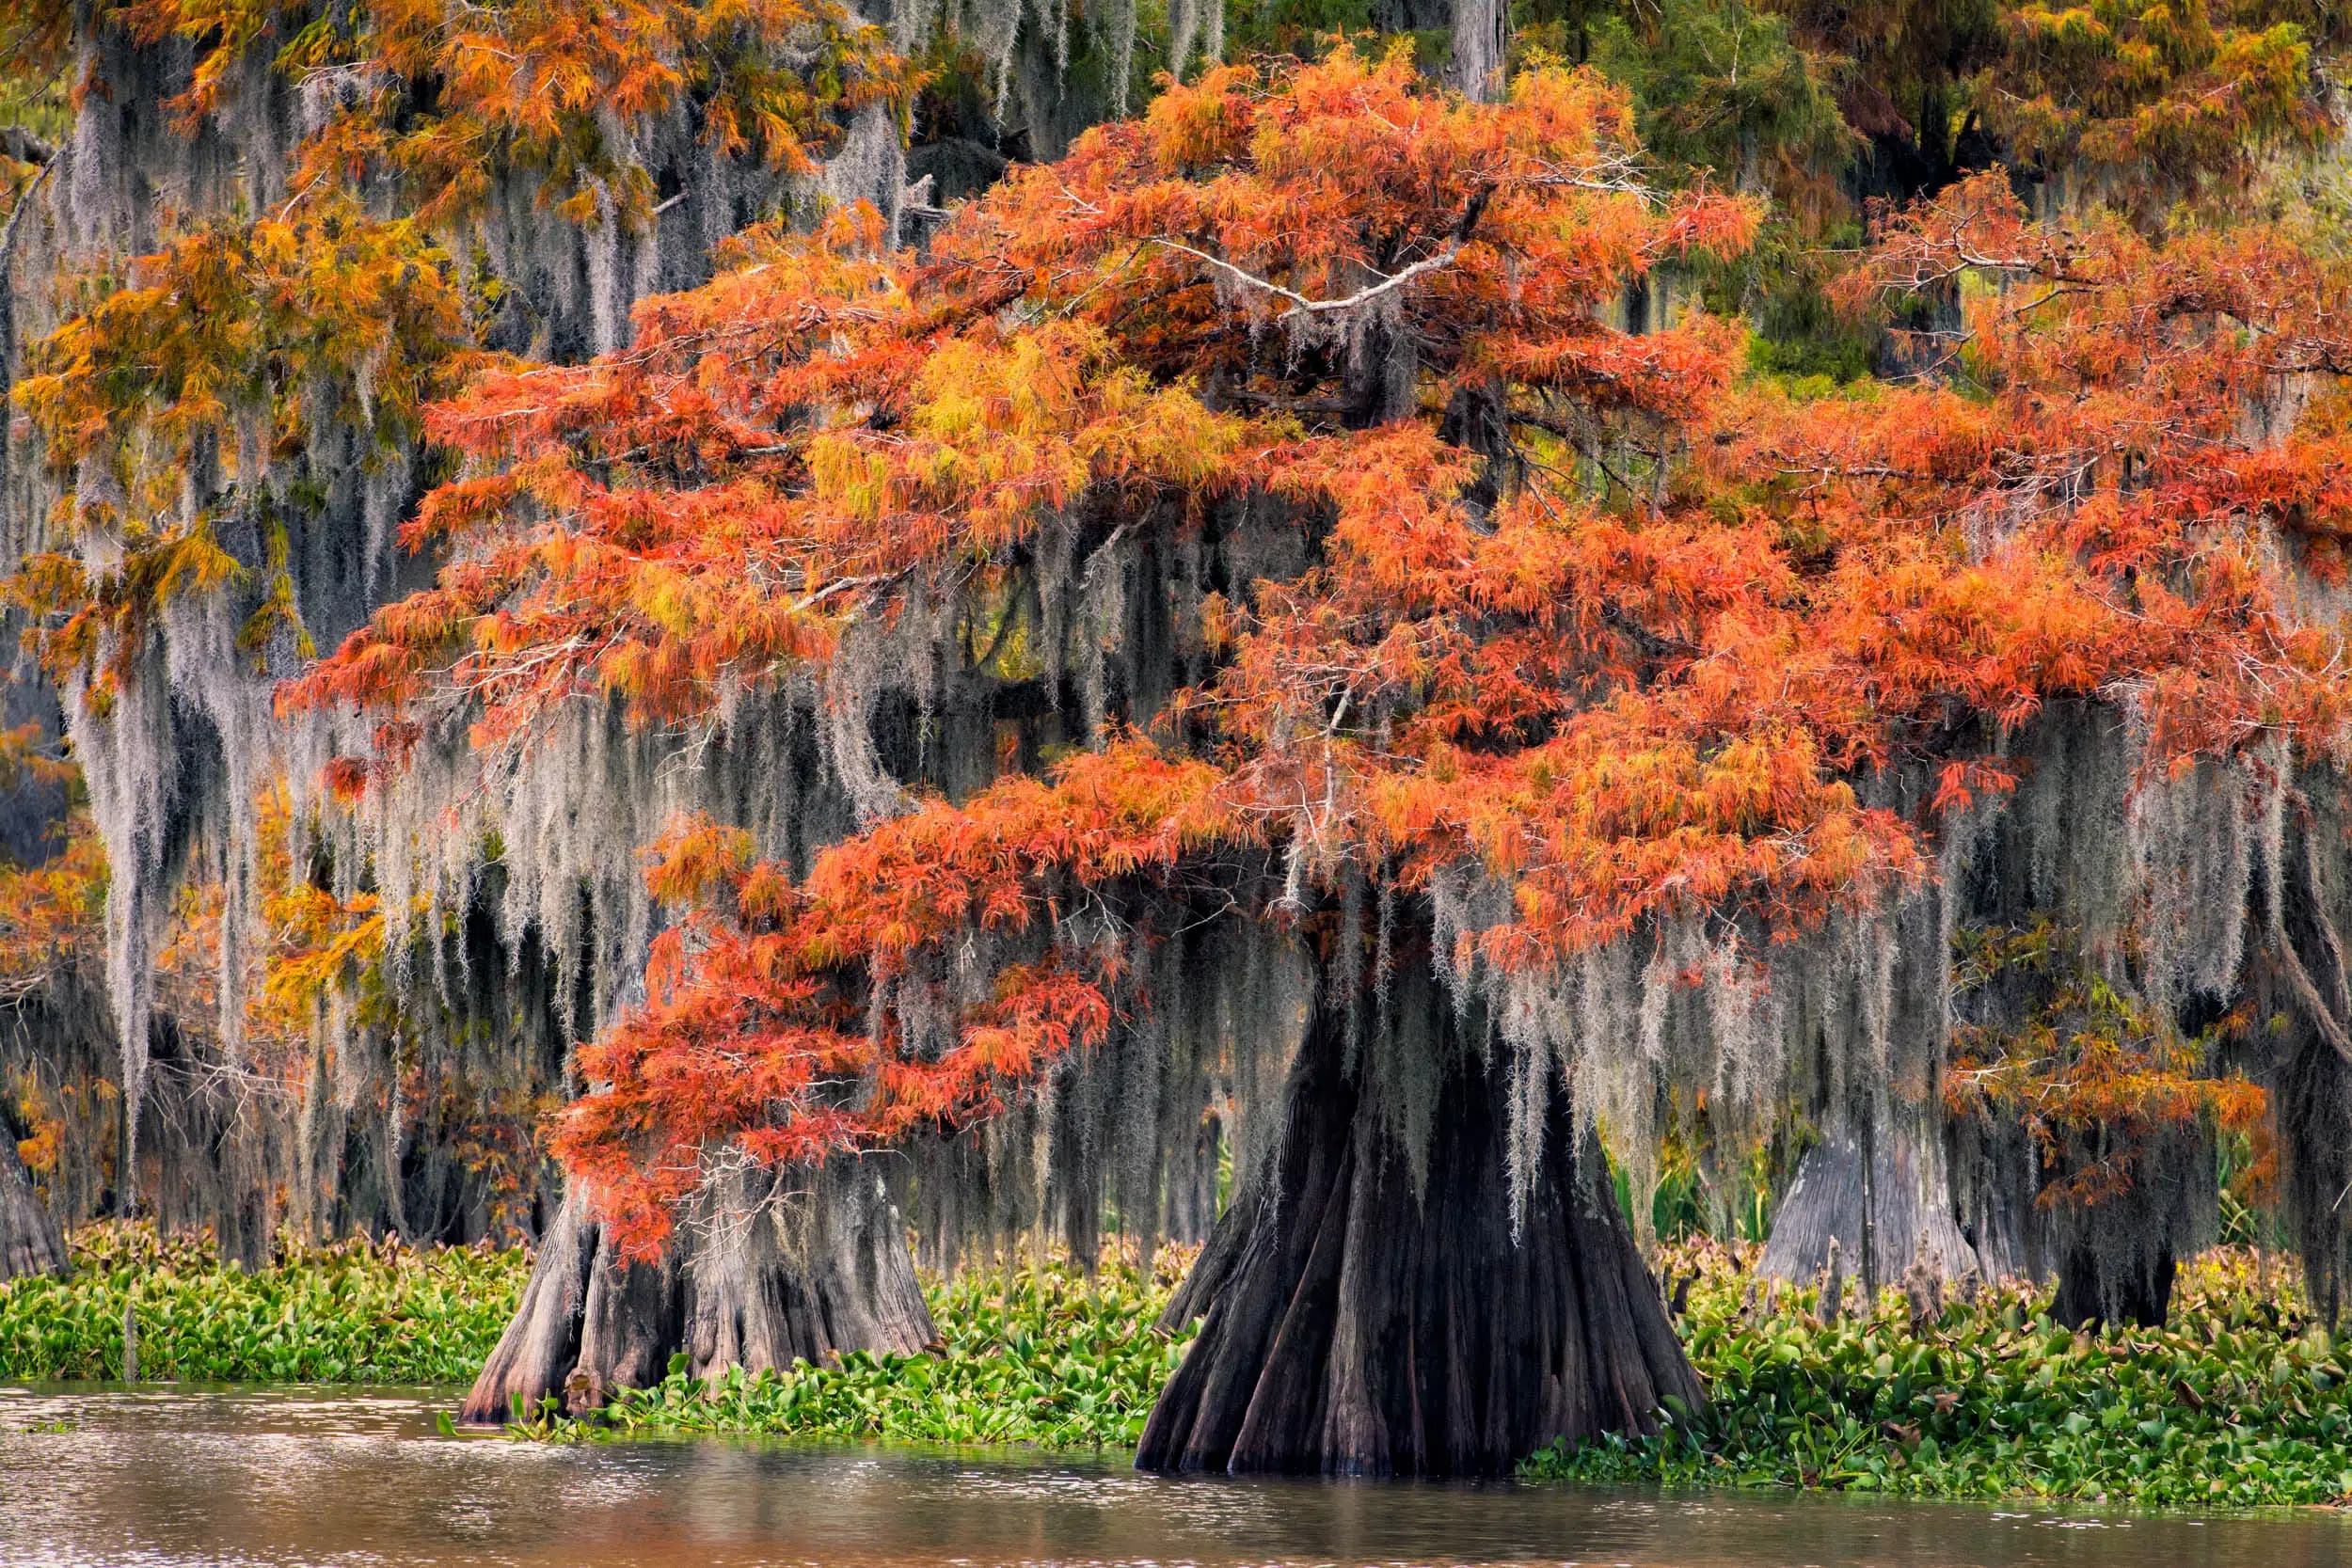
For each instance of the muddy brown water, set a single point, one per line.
(171, 1476)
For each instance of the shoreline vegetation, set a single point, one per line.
(351, 1313)
(2240, 1401)
(1039, 1355)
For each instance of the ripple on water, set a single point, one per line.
(177, 1476)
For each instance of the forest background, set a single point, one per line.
(338, 331)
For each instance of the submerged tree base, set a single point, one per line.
(1361, 1321)
(764, 1278)
(2238, 1403)
(1051, 1357)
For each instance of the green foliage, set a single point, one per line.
(349, 1313)
(2239, 1403)
(1299, 27)
(1705, 1189)
(2246, 1181)
(1800, 339)
(1691, 1200)
(1720, 86)
(1049, 1358)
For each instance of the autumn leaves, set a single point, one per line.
(1496, 584)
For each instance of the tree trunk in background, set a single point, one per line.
(2311, 1091)
(1478, 33)
(1883, 1195)
(809, 1267)
(2303, 980)
(30, 1244)
(1997, 1181)
(1482, 34)
(2095, 1287)
(2117, 1254)
(1353, 1327)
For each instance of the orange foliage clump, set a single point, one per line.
(762, 998)
(314, 949)
(48, 910)
(2096, 1078)
(219, 358)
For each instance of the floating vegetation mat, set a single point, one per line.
(349, 1313)
(1036, 1355)
(2238, 1402)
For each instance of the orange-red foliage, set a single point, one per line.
(2096, 1078)
(49, 912)
(760, 1016)
(445, 96)
(1629, 657)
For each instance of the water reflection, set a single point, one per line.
(189, 1475)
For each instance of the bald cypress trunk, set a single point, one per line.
(30, 1242)
(2311, 1089)
(1356, 1325)
(1481, 35)
(2303, 982)
(2097, 1288)
(1882, 1192)
(1478, 34)
(808, 1267)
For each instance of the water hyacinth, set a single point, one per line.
(349, 1313)
(1039, 1354)
(2238, 1402)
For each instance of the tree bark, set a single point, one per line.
(771, 1270)
(2310, 1088)
(1482, 37)
(30, 1242)
(1882, 1192)
(1354, 1327)
(1478, 33)
(2302, 980)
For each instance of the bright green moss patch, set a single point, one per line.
(2240, 1401)
(1044, 1356)
(349, 1313)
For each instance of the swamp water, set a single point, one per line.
(171, 1476)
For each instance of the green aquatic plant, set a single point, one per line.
(2240, 1401)
(1041, 1355)
(348, 1313)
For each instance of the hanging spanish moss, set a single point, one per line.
(1131, 1136)
(176, 742)
(1422, 1268)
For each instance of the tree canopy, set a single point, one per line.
(841, 584)
(1627, 637)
